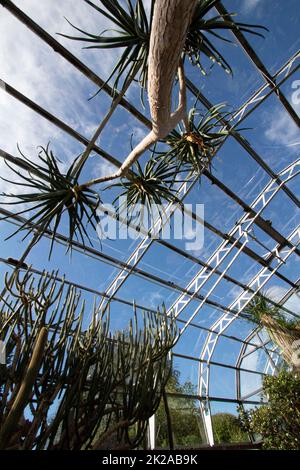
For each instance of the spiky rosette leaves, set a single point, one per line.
(257, 307)
(132, 35)
(53, 194)
(194, 150)
(151, 187)
(197, 41)
(260, 306)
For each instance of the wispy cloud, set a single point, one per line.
(155, 299)
(102, 168)
(277, 293)
(38, 72)
(282, 130)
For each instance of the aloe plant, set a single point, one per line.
(55, 194)
(58, 197)
(150, 187)
(194, 149)
(52, 195)
(132, 36)
(198, 42)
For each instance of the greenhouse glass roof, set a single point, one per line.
(249, 218)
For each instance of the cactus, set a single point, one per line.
(24, 393)
(83, 388)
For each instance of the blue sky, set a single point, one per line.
(35, 70)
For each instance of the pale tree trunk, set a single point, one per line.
(170, 24)
(171, 21)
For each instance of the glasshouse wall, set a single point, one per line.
(149, 236)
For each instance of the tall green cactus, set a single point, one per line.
(82, 388)
(25, 391)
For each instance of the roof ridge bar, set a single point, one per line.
(260, 222)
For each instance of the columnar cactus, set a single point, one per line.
(66, 387)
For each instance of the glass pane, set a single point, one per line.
(187, 426)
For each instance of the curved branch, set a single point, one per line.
(171, 20)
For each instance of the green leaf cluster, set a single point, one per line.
(132, 34)
(91, 388)
(52, 195)
(278, 422)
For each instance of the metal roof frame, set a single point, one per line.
(275, 258)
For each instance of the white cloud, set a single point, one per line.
(139, 133)
(282, 129)
(52, 15)
(102, 167)
(277, 293)
(250, 5)
(153, 299)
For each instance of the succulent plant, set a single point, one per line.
(67, 386)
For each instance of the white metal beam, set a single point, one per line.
(240, 229)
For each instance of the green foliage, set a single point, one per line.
(278, 422)
(57, 196)
(190, 154)
(193, 150)
(198, 42)
(152, 186)
(227, 428)
(260, 306)
(90, 388)
(52, 195)
(132, 35)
